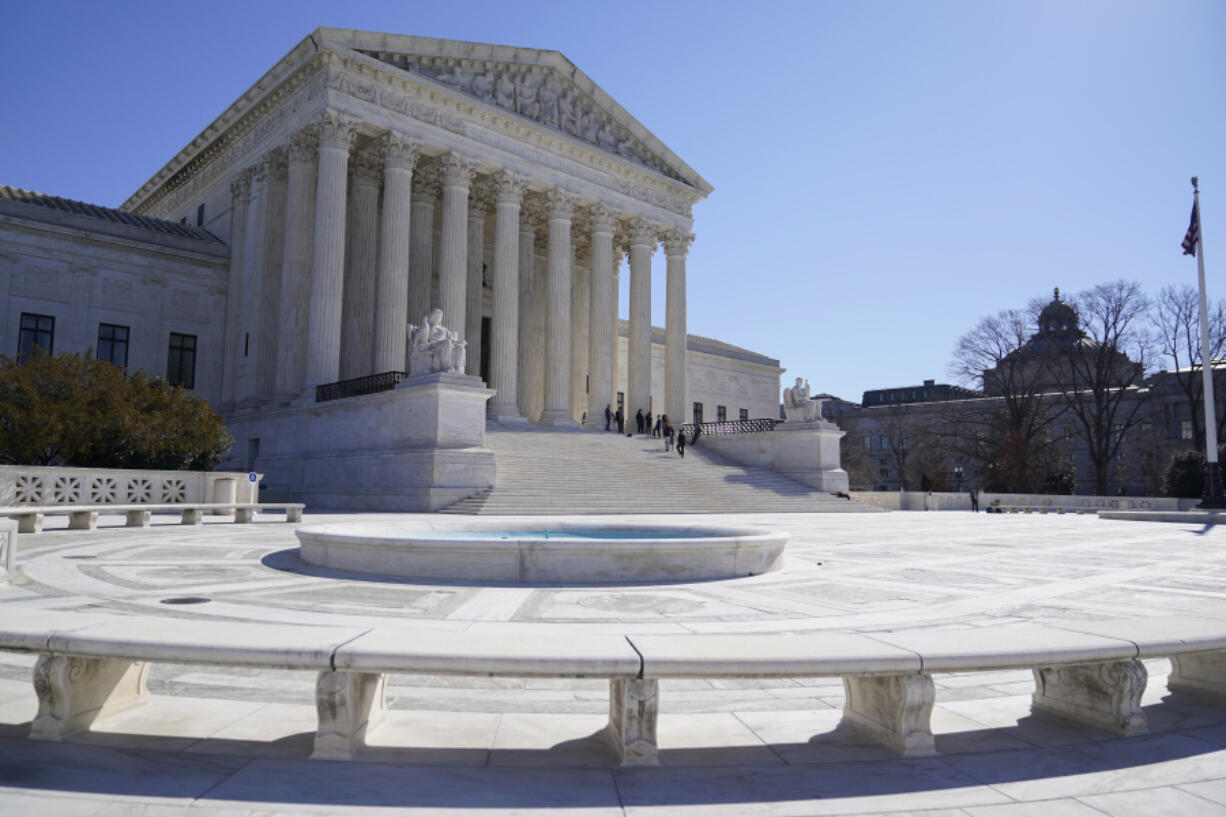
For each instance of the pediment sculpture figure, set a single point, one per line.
(797, 405)
(435, 348)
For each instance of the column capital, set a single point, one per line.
(303, 147)
(240, 185)
(677, 242)
(427, 182)
(561, 204)
(509, 187)
(480, 199)
(604, 218)
(367, 168)
(642, 232)
(336, 130)
(275, 164)
(399, 151)
(458, 171)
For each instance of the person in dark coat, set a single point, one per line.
(668, 435)
(608, 416)
(621, 420)
(647, 423)
(638, 420)
(655, 432)
(681, 444)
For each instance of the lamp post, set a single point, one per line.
(958, 479)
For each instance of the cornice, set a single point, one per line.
(119, 244)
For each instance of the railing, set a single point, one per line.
(722, 429)
(369, 384)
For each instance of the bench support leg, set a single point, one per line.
(244, 514)
(74, 692)
(192, 516)
(1199, 672)
(634, 706)
(894, 709)
(349, 706)
(30, 523)
(137, 519)
(1106, 694)
(293, 514)
(83, 520)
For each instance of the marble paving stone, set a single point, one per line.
(1043, 808)
(1161, 802)
(433, 738)
(22, 804)
(277, 730)
(1214, 790)
(540, 739)
(711, 739)
(169, 810)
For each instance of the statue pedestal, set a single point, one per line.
(805, 452)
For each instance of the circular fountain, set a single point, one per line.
(546, 550)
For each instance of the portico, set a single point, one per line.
(372, 177)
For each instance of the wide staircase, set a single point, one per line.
(593, 472)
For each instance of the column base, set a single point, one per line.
(557, 418)
(505, 414)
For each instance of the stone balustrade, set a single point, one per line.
(29, 518)
(91, 666)
(52, 485)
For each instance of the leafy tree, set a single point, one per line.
(75, 410)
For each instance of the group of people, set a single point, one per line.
(661, 428)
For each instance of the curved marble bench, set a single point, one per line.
(85, 517)
(93, 666)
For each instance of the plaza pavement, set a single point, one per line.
(232, 742)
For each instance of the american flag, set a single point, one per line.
(1193, 235)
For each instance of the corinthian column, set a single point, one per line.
(479, 202)
(296, 265)
(358, 304)
(426, 183)
(504, 345)
(240, 190)
(453, 240)
(528, 297)
(638, 374)
(602, 318)
(557, 332)
(676, 247)
(336, 135)
(392, 299)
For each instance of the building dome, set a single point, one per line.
(1058, 318)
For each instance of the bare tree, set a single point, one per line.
(1175, 318)
(1102, 388)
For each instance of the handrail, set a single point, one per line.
(354, 387)
(729, 427)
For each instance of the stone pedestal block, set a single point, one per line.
(1199, 672)
(191, 516)
(137, 519)
(1106, 695)
(30, 523)
(634, 706)
(893, 709)
(83, 520)
(74, 692)
(350, 705)
(805, 452)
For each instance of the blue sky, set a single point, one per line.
(886, 173)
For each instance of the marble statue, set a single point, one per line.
(435, 348)
(798, 406)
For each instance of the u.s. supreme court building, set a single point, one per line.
(363, 180)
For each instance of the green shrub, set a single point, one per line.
(75, 410)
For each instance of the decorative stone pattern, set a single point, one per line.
(65, 490)
(174, 491)
(634, 707)
(895, 709)
(29, 489)
(51, 485)
(74, 692)
(103, 490)
(1106, 695)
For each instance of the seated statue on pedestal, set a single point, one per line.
(798, 407)
(435, 348)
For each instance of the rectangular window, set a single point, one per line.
(883, 461)
(36, 330)
(181, 362)
(1185, 427)
(621, 400)
(744, 414)
(113, 344)
(698, 412)
(884, 443)
(200, 216)
(885, 473)
(721, 413)
(868, 442)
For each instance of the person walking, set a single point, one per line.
(621, 420)
(638, 421)
(975, 500)
(681, 444)
(655, 432)
(608, 416)
(668, 435)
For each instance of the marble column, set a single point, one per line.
(453, 243)
(557, 410)
(602, 317)
(505, 324)
(479, 202)
(361, 272)
(638, 373)
(528, 298)
(427, 179)
(579, 303)
(336, 134)
(392, 289)
(267, 332)
(251, 308)
(296, 266)
(676, 247)
(240, 189)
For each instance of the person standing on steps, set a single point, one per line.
(621, 420)
(655, 432)
(681, 443)
(668, 434)
(638, 420)
(608, 416)
(647, 423)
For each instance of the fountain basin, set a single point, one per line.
(543, 551)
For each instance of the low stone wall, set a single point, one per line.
(806, 452)
(49, 485)
(951, 501)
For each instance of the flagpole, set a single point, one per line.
(1213, 484)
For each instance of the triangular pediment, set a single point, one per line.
(542, 86)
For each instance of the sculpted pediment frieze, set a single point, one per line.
(537, 92)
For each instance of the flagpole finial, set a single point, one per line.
(1194, 187)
